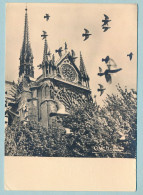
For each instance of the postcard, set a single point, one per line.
(71, 97)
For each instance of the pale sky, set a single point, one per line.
(66, 23)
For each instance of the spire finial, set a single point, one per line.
(26, 8)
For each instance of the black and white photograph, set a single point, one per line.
(71, 80)
(70, 88)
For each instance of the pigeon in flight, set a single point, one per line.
(86, 34)
(106, 20)
(59, 51)
(47, 17)
(130, 55)
(106, 60)
(108, 73)
(101, 89)
(105, 28)
(44, 35)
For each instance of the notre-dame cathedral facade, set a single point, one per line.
(52, 93)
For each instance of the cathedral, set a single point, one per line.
(61, 83)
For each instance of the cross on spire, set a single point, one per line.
(26, 7)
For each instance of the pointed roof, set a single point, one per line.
(62, 58)
(82, 67)
(26, 52)
(45, 56)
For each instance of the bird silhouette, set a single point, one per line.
(86, 34)
(47, 17)
(130, 55)
(109, 62)
(106, 60)
(59, 51)
(105, 28)
(106, 20)
(106, 17)
(101, 89)
(44, 35)
(108, 73)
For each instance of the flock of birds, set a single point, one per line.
(105, 27)
(109, 71)
(106, 20)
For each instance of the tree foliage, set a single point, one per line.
(31, 139)
(109, 131)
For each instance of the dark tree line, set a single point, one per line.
(109, 131)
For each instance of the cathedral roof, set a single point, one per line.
(62, 58)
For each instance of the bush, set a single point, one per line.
(109, 131)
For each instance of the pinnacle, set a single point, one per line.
(26, 52)
(26, 56)
(82, 67)
(45, 56)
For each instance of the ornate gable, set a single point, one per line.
(67, 69)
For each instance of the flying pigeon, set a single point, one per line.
(130, 55)
(86, 34)
(105, 28)
(59, 51)
(106, 20)
(47, 17)
(108, 73)
(106, 60)
(101, 89)
(44, 35)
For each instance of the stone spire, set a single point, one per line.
(84, 75)
(47, 65)
(45, 53)
(82, 68)
(26, 56)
